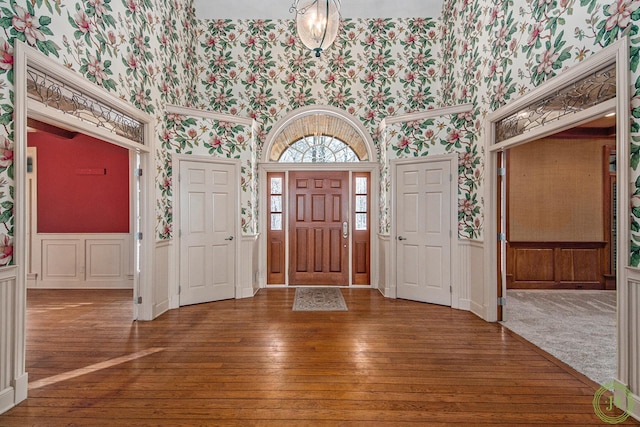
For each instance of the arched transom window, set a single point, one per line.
(318, 149)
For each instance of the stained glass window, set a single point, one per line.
(318, 149)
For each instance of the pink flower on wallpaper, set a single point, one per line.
(465, 206)
(379, 59)
(500, 93)
(6, 55)
(215, 141)
(219, 24)
(410, 76)
(300, 98)
(260, 99)
(251, 41)
(6, 153)
(132, 5)
(548, 58)
(620, 13)
(84, 23)
(410, 39)
(95, 68)
(339, 98)
(535, 33)
(98, 6)
(404, 142)
(465, 160)
(6, 250)
(132, 61)
(370, 40)
(23, 22)
(454, 136)
(339, 60)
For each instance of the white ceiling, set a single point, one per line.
(279, 9)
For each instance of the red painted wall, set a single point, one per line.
(83, 184)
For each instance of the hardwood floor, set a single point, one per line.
(257, 362)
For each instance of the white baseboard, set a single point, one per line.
(7, 399)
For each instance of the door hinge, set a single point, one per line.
(180, 233)
(137, 172)
(502, 171)
(502, 301)
(450, 289)
(139, 236)
(450, 234)
(137, 300)
(450, 177)
(502, 237)
(179, 290)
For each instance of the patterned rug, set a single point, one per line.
(319, 299)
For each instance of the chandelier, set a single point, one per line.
(317, 22)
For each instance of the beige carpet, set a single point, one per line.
(576, 326)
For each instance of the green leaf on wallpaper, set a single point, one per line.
(635, 226)
(44, 20)
(48, 47)
(635, 156)
(10, 172)
(6, 22)
(109, 20)
(5, 216)
(634, 52)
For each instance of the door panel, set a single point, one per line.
(423, 244)
(319, 253)
(208, 198)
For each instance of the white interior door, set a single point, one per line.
(208, 197)
(423, 231)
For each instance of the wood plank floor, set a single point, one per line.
(257, 362)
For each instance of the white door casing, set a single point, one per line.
(208, 217)
(423, 230)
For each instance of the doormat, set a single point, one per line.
(319, 299)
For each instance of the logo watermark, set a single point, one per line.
(608, 398)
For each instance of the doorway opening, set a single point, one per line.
(52, 94)
(547, 110)
(560, 245)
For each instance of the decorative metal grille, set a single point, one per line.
(583, 94)
(53, 93)
(318, 149)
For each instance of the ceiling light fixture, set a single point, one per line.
(317, 22)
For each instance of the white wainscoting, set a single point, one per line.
(247, 280)
(470, 274)
(84, 261)
(162, 271)
(630, 356)
(7, 334)
(386, 286)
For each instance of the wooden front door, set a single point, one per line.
(319, 228)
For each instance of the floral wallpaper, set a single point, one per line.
(141, 50)
(155, 52)
(494, 51)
